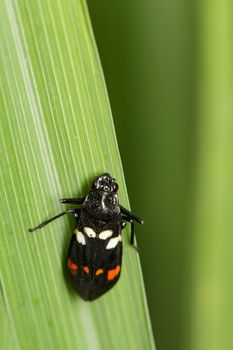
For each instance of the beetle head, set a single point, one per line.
(102, 200)
(105, 183)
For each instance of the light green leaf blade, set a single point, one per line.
(56, 135)
(211, 286)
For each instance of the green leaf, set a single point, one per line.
(56, 133)
(210, 275)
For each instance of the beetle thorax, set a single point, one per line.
(102, 205)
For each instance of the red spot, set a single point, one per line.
(99, 271)
(86, 269)
(72, 266)
(113, 273)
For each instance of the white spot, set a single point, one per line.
(90, 232)
(105, 234)
(113, 242)
(80, 237)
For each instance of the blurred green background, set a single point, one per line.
(168, 68)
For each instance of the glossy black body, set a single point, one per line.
(92, 267)
(94, 255)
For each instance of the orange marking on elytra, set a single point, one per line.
(72, 266)
(113, 273)
(117, 269)
(86, 269)
(99, 271)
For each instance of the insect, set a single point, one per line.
(94, 258)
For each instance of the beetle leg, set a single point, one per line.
(72, 200)
(126, 218)
(74, 211)
(131, 215)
